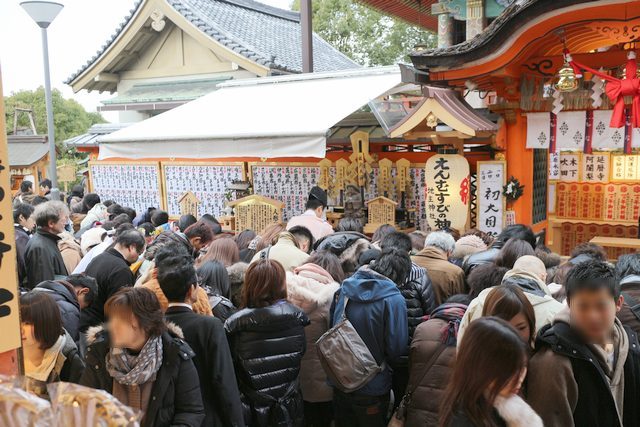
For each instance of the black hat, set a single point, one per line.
(319, 194)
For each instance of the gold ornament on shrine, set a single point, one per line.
(403, 176)
(324, 180)
(384, 176)
(361, 160)
(567, 79)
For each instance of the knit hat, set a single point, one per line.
(91, 238)
(319, 194)
(467, 245)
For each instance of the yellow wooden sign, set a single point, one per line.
(9, 311)
(189, 203)
(66, 173)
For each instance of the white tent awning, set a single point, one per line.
(284, 116)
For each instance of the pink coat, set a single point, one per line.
(311, 288)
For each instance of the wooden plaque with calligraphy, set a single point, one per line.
(256, 212)
(491, 178)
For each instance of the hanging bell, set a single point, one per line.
(567, 80)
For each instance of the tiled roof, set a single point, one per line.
(106, 44)
(261, 33)
(184, 90)
(90, 138)
(264, 34)
(26, 150)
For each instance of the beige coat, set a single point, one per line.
(311, 288)
(285, 252)
(70, 250)
(545, 308)
(447, 279)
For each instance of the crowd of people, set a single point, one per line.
(192, 325)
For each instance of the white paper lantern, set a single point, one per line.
(448, 191)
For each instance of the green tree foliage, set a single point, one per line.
(69, 117)
(364, 34)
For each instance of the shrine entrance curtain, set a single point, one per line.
(270, 117)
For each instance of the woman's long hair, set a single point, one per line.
(490, 356)
(213, 275)
(506, 302)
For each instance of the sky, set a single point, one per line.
(74, 37)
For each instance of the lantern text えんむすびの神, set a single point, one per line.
(447, 182)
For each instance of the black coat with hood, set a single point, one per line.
(418, 293)
(175, 396)
(480, 258)
(267, 345)
(595, 405)
(67, 301)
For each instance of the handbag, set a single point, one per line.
(399, 416)
(345, 357)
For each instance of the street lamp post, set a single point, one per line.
(43, 13)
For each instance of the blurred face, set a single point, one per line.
(514, 385)
(28, 223)
(58, 226)
(28, 339)
(44, 189)
(519, 321)
(196, 242)
(593, 313)
(131, 254)
(125, 332)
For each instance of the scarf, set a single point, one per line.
(516, 412)
(135, 369)
(451, 313)
(49, 360)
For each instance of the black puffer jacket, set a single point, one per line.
(418, 293)
(67, 302)
(267, 345)
(480, 258)
(175, 394)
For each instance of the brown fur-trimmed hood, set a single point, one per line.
(236, 272)
(95, 332)
(349, 257)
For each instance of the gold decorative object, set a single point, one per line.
(403, 177)
(361, 159)
(567, 80)
(432, 120)
(342, 171)
(384, 176)
(324, 180)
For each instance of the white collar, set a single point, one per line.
(180, 304)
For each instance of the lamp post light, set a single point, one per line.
(43, 13)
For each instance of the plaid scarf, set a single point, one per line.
(452, 314)
(135, 369)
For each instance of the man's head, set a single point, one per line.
(90, 200)
(23, 216)
(396, 239)
(185, 221)
(628, 265)
(26, 186)
(303, 237)
(130, 243)
(441, 240)
(593, 295)
(115, 210)
(45, 186)
(317, 201)
(52, 216)
(159, 218)
(517, 231)
(199, 234)
(85, 287)
(176, 275)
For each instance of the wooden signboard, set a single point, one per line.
(189, 203)
(9, 311)
(256, 212)
(135, 184)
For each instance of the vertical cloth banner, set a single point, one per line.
(604, 137)
(570, 130)
(9, 313)
(491, 203)
(538, 130)
(448, 191)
